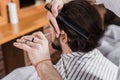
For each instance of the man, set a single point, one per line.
(109, 4)
(80, 60)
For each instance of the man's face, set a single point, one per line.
(56, 40)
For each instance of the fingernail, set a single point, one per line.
(55, 14)
(17, 40)
(15, 43)
(57, 35)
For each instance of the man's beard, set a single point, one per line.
(56, 44)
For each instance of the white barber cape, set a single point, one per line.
(113, 5)
(74, 66)
(24, 73)
(86, 66)
(110, 45)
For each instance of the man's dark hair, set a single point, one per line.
(88, 18)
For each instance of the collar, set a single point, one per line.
(79, 54)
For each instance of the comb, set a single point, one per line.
(70, 23)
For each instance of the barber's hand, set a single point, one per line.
(53, 23)
(56, 6)
(37, 48)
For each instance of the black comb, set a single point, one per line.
(69, 22)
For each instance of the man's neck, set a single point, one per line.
(66, 50)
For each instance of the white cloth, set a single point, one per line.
(86, 66)
(25, 73)
(110, 44)
(118, 77)
(74, 66)
(113, 5)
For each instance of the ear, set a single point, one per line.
(63, 37)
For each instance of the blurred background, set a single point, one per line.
(24, 17)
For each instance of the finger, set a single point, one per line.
(54, 8)
(54, 22)
(50, 24)
(20, 40)
(28, 38)
(39, 35)
(60, 7)
(37, 40)
(31, 44)
(22, 46)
